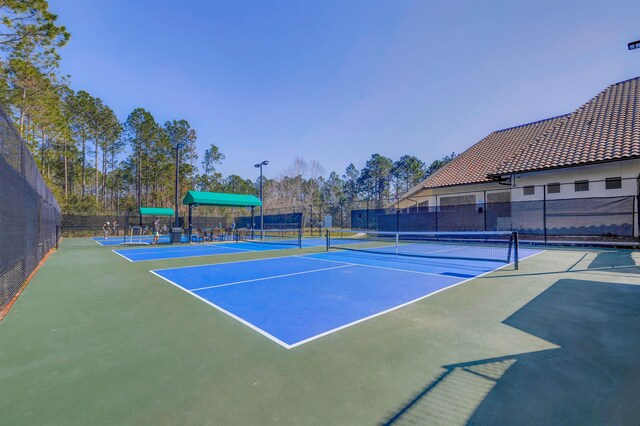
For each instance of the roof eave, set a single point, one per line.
(567, 166)
(458, 184)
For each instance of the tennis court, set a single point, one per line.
(212, 249)
(117, 241)
(373, 338)
(294, 300)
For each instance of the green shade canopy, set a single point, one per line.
(221, 199)
(155, 211)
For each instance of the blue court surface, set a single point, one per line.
(118, 240)
(199, 249)
(294, 300)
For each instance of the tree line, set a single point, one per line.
(95, 163)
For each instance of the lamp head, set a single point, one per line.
(179, 145)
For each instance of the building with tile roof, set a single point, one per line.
(592, 152)
(477, 163)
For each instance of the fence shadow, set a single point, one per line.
(615, 260)
(590, 379)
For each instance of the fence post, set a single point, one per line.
(633, 218)
(367, 226)
(515, 248)
(437, 207)
(544, 211)
(484, 209)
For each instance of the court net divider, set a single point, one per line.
(291, 237)
(491, 246)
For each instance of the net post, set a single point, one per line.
(328, 239)
(299, 238)
(397, 240)
(515, 250)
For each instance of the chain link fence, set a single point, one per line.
(594, 219)
(572, 219)
(29, 213)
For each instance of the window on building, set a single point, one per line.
(458, 200)
(499, 197)
(529, 190)
(613, 183)
(553, 188)
(581, 185)
(422, 206)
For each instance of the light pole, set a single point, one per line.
(177, 148)
(259, 165)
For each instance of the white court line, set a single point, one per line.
(123, 256)
(247, 323)
(104, 245)
(182, 250)
(317, 336)
(271, 277)
(384, 267)
(443, 259)
(526, 257)
(425, 253)
(342, 327)
(179, 257)
(286, 256)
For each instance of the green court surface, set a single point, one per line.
(95, 339)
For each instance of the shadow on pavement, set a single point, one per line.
(591, 379)
(620, 260)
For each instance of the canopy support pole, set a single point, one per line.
(190, 221)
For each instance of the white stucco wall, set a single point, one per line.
(431, 195)
(595, 174)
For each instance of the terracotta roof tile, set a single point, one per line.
(485, 157)
(605, 128)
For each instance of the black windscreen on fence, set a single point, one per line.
(29, 213)
(580, 219)
(367, 218)
(271, 221)
(79, 225)
(609, 217)
(90, 225)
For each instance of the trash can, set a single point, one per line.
(176, 235)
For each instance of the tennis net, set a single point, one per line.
(496, 246)
(290, 237)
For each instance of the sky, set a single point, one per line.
(337, 81)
